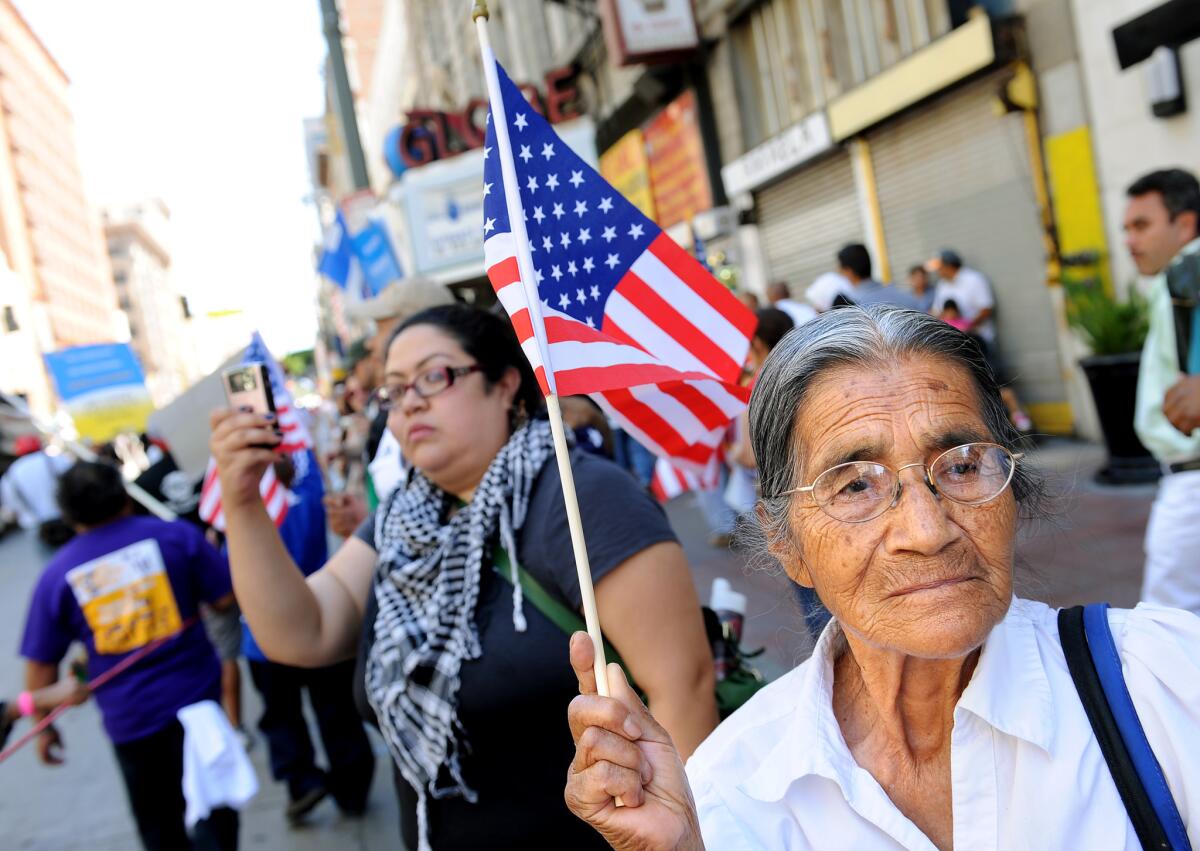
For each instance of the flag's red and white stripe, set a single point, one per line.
(212, 512)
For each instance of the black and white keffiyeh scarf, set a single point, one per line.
(426, 587)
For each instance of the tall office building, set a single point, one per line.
(159, 328)
(49, 233)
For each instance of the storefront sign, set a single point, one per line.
(778, 155)
(431, 134)
(626, 166)
(678, 172)
(103, 389)
(444, 204)
(642, 31)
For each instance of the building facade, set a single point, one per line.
(797, 126)
(60, 290)
(159, 321)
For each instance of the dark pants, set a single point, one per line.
(153, 770)
(351, 763)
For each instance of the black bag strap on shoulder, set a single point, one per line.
(1149, 829)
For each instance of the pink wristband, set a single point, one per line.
(25, 704)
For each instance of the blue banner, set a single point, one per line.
(374, 252)
(82, 370)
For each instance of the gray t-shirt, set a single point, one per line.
(873, 292)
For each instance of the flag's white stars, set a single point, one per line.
(558, 211)
(537, 275)
(538, 215)
(552, 182)
(521, 123)
(580, 297)
(566, 240)
(609, 234)
(580, 208)
(488, 120)
(547, 243)
(606, 204)
(576, 178)
(525, 154)
(595, 293)
(489, 226)
(588, 265)
(547, 151)
(531, 184)
(556, 273)
(612, 261)
(545, 304)
(564, 301)
(591, 323)
(636, 230)
(584, 235)
(487, 189)
(487, 150)
(572, 268)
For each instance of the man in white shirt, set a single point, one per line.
(1162, 232)
(970, 290)
(780, 298)
(823, 292)
(28, 487)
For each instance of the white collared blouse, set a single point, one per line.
(1027, 770)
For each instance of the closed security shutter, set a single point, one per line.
(953, 174)
(805, 218)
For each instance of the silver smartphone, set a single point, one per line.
(248, 388)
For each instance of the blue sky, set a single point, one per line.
(201, 104)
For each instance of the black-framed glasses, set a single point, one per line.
(428, 383)
(858, 491)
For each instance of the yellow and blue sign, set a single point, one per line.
(103, 389)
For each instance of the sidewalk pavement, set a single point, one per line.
(1089, 550)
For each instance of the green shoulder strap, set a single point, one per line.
(561, 615)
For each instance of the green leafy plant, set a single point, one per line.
(1109, 326)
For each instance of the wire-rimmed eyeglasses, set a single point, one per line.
(858, 491)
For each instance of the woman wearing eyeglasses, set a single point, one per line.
(937, 709)
(447, 596)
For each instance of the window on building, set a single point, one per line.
(790, 57)
(10, 319)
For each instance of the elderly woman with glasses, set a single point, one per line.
(937, 709)
(455, 597)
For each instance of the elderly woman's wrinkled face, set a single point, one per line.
(929, 577)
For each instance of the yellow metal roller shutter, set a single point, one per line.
(953, 174)
(805, 218)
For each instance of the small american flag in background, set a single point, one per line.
(296, 440)
(631, 318)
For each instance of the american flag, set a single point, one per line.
(630, 317)
(296, 440)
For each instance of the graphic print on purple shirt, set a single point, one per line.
(117, 588)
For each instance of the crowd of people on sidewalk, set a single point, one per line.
(880, 464)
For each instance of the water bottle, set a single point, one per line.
(730, 608)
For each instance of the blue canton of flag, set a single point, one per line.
(582, 233)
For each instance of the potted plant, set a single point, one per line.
(1114, 330)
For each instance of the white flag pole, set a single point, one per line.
(84, 454)
(516, 217)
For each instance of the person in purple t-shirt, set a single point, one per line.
(121, 584)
